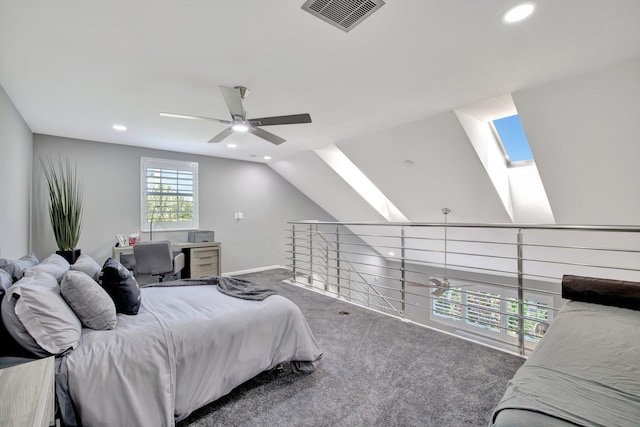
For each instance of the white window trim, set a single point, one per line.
(192, 167)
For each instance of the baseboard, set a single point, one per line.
(253, 270)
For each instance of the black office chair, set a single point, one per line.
(157, 259)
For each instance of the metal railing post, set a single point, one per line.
(310, 254)
(326, 265)
(338, 272)
(520, 294)
(293, 245)
(402, 271)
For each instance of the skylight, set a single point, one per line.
(353, 176)
(514, 141)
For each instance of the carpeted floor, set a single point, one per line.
(375, 371)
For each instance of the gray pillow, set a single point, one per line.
(53, 264)
(38, 318)
(87, 265)
(5, 280)
(92, 304)
(16, 267)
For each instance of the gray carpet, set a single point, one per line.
(376, 371)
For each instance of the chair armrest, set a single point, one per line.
(178, 263)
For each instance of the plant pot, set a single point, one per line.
(71, 256)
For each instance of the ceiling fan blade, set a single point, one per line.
(436, 282)
(233, 99)
(190, 117)
(438, 292)
(274, 139)
(222, 135)
(281, 120)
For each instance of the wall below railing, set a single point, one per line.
(497, 284)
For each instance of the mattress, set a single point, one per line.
(187, 346)
(584, 371)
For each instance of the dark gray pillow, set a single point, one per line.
(88, 300)
(87, 265)
(16, 267)
(5, 280)
(38, 318)
(53, 264)
(121, 286)
(618, 293)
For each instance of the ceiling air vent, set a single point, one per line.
(344, 14)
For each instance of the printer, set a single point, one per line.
(199, 236)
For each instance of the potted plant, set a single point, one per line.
(65, 205)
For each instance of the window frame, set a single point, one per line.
(180, 165)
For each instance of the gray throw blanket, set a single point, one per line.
(232, 286)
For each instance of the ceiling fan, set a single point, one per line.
(233, 97)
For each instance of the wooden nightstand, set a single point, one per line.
(27, 394)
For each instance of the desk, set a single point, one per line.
(27, 394)
(201, 259)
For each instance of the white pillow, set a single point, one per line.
(38, 318)
(92, 304)
(87, 265)
(16, 267)
(53, 264)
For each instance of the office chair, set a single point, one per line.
(157, 259)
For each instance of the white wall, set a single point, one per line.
(112, 202)
(445, 171)
(584, 132)
(16, 146)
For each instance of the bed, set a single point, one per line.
(189, 344)
(586, 369)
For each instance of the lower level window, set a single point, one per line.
(491, 311)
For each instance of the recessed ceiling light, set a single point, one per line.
(231, 145)
(120, 128)
(392, 254)
(267, 157)
(518, 13)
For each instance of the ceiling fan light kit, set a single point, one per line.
(233, 97)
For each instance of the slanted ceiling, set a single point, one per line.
(583, 132)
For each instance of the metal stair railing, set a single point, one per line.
(504, 279)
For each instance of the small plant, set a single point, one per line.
(65, 201)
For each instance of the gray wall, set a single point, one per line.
(16, 146)
(112, 202)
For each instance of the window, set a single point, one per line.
(514, 141)
(169, 194)
(483, 310)
(448, 305)
(491, 311)
(533, 313)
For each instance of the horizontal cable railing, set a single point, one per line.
(497, 283)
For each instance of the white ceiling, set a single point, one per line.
(75, 68)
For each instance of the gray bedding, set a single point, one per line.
(584, 371)
(188, 346)
(232, 286)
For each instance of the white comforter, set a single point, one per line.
(187, 346)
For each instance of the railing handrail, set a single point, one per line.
(581, 227)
